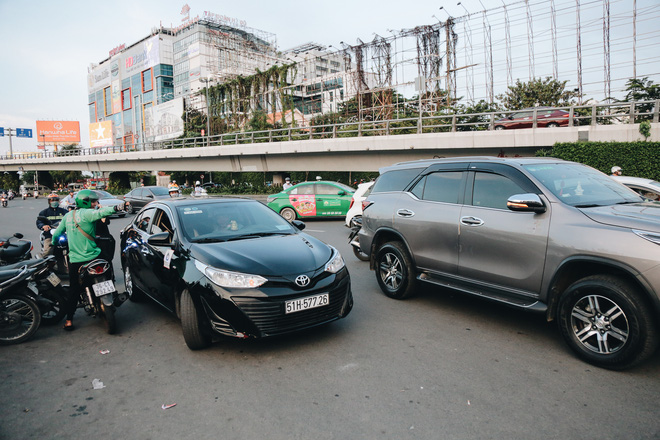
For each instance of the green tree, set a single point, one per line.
(65, 177)
(538, 92)
(9, 180)
(642, 89)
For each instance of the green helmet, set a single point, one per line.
(85, 197)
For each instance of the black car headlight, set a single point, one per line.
(336, 262)
(234, 280)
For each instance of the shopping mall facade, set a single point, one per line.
(139, 92)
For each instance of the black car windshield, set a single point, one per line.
(160, 191)
(225, 221)
(581, 186)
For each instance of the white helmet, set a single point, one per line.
(197, 183)
(616, 169)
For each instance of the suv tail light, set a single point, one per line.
(366, 203)
(352, 203)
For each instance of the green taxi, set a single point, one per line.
(312, 199)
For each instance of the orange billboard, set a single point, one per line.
(58, 131)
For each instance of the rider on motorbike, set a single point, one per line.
(53, 214)
(80, 227)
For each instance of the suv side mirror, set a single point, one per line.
(526, 203)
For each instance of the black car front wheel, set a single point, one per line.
(607, 323)
(394, 271)
(132, 291)
(192, 334)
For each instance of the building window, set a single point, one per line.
(147, 80)
(126, 103)
(93, 117)
(107, 100)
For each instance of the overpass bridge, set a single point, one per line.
(361, 146)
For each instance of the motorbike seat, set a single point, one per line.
(30, 263)
(8, 274)
(15, 250)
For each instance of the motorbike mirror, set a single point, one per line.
(18, 235)
(298, 224)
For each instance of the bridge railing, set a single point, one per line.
(579, 115)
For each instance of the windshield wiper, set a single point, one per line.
(208, 240)
(589, 205)
(254, 235)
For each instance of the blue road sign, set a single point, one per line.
(24, 132)
(2, 131)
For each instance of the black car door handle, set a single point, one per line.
(405, 213)
(471, 221)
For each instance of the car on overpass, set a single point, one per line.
(312, 199)
(545, 117)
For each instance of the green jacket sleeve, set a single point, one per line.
(91, 215)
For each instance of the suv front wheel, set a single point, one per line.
(605, 321)
(394, 270)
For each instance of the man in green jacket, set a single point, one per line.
(80, 228)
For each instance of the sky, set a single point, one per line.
(47, 46)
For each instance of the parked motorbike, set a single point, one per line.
(354, 240)
(24, 195)
(19, 315)
(44, 288)
(11, 195)
(60, 251)
(3, 200)
(14, 251)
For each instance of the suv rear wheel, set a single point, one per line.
(605, 321)
(394, 270)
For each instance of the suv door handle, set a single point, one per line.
(472, 221)
(405, 213)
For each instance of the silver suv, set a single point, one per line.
(539, 234)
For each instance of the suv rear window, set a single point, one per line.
(396, 180)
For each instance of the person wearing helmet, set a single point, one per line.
(199, 190)
(47, 219)
(617, 171)
(80, 228)
(287, 184)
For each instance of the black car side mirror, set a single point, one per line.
(298, 224)
(160, 239)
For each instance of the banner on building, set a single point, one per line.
(164, 121)
(58, 131)
(100, 134)
(140, 57)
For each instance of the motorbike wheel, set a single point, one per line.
(359, 254)
(110, 321)
(19, 319)
(56, 312)
(192, 334)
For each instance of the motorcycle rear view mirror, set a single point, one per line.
(18, 235)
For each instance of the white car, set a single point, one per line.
(647, 188)
(355, 210)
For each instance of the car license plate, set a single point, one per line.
(310, 302)
(54, 279)
(103, 288)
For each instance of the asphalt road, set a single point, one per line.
(438, 366)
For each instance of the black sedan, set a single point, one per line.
(144, 194)
(232, 267)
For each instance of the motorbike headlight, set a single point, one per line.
(225, 278)
(336, 262)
